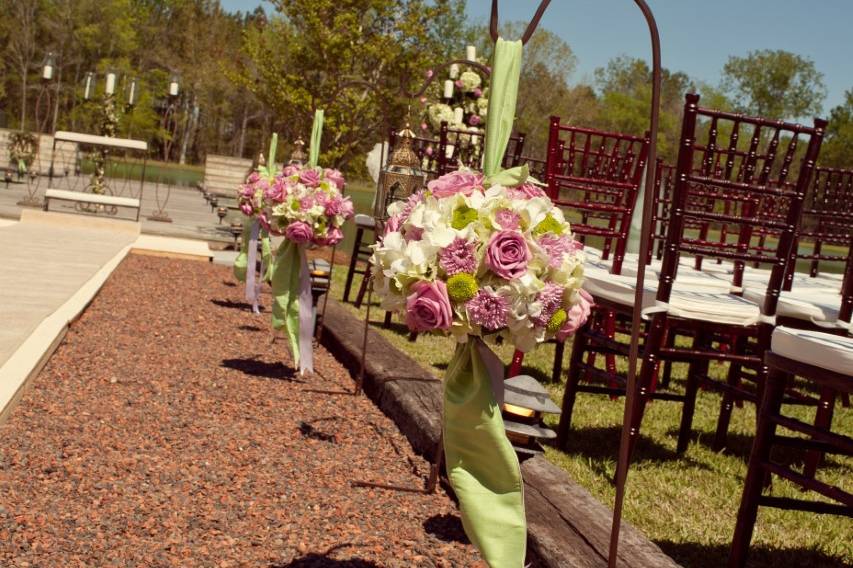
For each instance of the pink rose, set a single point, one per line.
(530, 191)
(336, 177)
(429, 73)
(428, 151)
(456, 182)
(291, 170)
(299, 232)
(577, 315)
(428, 307)
(507, 219)
(306, 203)
(333, 236)
(309, 177)
(347, 209)
(392, 225)
(478, 92)
(253, 177)
(247, 209)
(507, 254)
(333, 205)
(424, 126)
(264, 220)
(277, 191)
(474, 120)
(458, 83)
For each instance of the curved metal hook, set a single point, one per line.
(648, 205)
(531, 27)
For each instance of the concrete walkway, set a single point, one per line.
(53, 265)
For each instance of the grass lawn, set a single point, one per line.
(687, 504)
(155, 171)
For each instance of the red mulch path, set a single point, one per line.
(168, 431)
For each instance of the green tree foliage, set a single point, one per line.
(349, 58)
(838, 145)
(775, 84)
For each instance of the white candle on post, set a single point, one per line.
(458, 115)
(454, 70)
(110, 87)
(87, 90)
(471, 53)
(448, 89)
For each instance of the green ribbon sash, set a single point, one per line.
(285, 294)
(316, 135)
(481, 462)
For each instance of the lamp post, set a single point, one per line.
(170, 121)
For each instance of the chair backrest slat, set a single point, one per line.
(595, 175)
(757, 200)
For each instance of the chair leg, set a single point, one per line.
(556, 371)
(697, 370)
(651, 355)
(666, 373)
(386, 323)
(823, 420)
(362, 289)
(359, 233)
(515, 365)
(578, 348)
(733, 381)
(748, 512)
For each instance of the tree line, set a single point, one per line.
(244, 75)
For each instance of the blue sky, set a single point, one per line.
(697, 36)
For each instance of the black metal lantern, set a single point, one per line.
(402, 175)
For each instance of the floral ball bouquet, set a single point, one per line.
(466, 258)
(305, 205)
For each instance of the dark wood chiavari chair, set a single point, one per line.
(595, 177)
(718, 173)
(825, 361)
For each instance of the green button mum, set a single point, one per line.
(557, 320)
(548, 225)
(462, 287)
(462, 217)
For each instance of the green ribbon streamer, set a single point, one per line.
(285, 294)
(481, 463)
(242, 261)
(506, 70)
(316, 134)
(266, 255)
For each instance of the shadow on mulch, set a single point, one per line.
(229, 284)
(249, 328)
(693, 555)
(234, 305)
(447, 528)
(322, 561)
(255, 368)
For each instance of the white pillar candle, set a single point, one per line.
(458, 115)
(471, 53)
(47, 73)
(87, 90)
(131, 97)
(111, 84)
(173, 88)
(454, 70)
(448, 150)
(448, 89)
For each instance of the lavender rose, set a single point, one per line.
(455, 182)
(309, 177)
(577, 315)
(335, 176)
(299, 232)
(333, 236)
(347, 209)
(291, 170)
(247, 209)
(428, 307)
(277, 191)
(507, 254)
